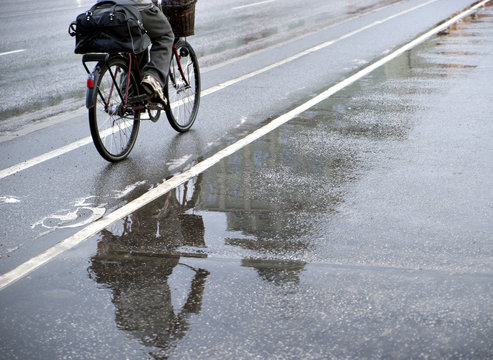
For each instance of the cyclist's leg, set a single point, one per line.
(162, 38)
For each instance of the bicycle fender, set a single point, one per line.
(93, 76)
(91, 93)
(90, 96)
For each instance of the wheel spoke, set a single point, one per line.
(183, 89)
(114, 131)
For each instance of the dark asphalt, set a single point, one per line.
(45, 79)
(49, 195)
(361, 229)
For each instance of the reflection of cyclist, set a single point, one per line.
(143, 297)
(137, 262)
(159, 30)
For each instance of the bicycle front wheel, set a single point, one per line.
(183, 88)
(114, 126)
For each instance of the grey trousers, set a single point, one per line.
(162, 37)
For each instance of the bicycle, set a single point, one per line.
(116, 100)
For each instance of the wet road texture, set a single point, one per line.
(361, 229)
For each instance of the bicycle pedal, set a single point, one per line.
(155, 106)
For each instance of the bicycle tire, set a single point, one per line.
(183, 94)
(114, 129)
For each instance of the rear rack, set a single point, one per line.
(94, 58)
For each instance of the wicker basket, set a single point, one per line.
(181, 15)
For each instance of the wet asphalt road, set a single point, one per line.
(45, 78)
(360, 229)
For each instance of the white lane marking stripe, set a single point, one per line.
(309, 51)
(92, 229)
(254, 4)
(40, 11)
(48, 156)
(12, 52)
(45, 157)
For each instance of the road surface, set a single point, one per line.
(357, 224)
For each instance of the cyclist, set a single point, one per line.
(162, 37)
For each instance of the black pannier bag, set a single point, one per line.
(109, 28)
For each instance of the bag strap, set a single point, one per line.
(105, 2)
(99, 4)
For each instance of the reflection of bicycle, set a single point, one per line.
(162, 227)
(116, 100)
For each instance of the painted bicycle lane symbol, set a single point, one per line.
(83, 213)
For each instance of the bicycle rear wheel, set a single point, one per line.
(183, 88)
(114, 127)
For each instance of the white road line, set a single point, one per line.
(45, 157)
(37, 160)
(331, 26)
(254, 4)
(40, 11)
(311, 50)
(92, 229)
(12, 52)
